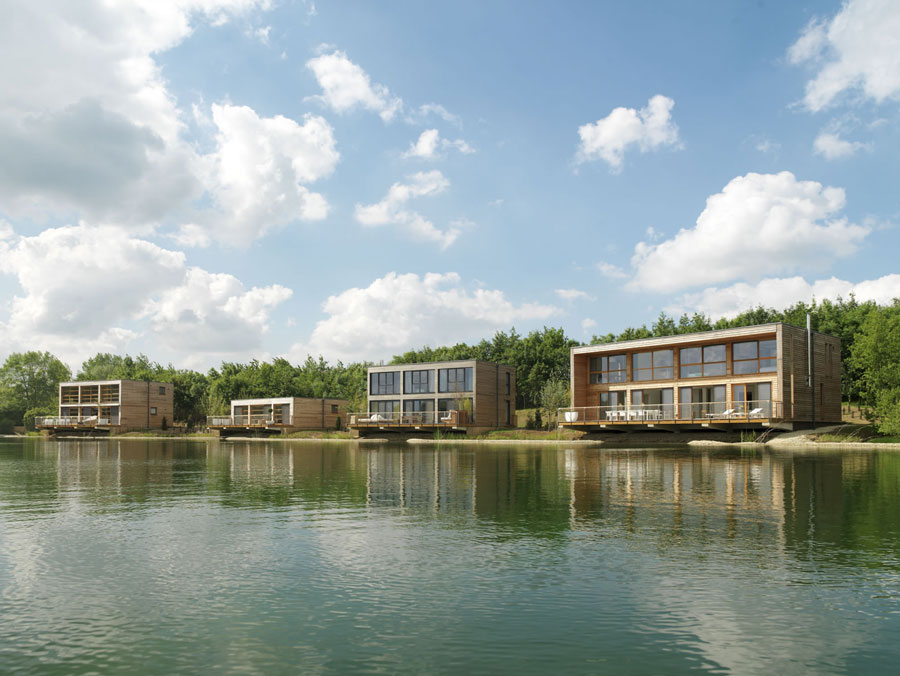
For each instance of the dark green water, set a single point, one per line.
(178, 557)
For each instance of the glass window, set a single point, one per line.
(705, 361)
(508, 386)
(460, 404)
(608, 369)
(755, 357)
(613, 399)
(653, 365)
(455, 380)
(334, 408)
(162, 390)
(745, 350)
(385, 383)
(153, 410)
(418, 382)
(418, 405)
(392, 406)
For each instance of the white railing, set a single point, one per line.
(700, 412)
(74, 421)
(256, 420)
(419, 418)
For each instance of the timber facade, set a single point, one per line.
(744, 378)
(280, 415)
(463, 396)
(111, 406)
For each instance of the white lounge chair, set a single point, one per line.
(755, 413)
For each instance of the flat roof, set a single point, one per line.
(441, 363)
(72, 383)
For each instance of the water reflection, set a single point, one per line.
(836, 505)
(342, 557)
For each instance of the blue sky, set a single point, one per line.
(203, 180)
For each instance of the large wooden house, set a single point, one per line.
(280, 415)
(749, 377)
(111, 406)
(463, 396)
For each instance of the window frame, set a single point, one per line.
(655, 372)
(603, 376)
(410, 386)
(444, 380)
(747, 362)
(382, 386)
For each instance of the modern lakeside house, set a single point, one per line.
(280, 415)
(743, 378)
(465, 396)
(106, 406)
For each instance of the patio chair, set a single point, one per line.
(755, 413)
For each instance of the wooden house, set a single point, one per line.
(748, 377)
(464, 396)
(280, 415)
(111, 406)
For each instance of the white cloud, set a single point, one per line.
(346, 86)
(587, 325)
(782, 292)
(213, 313)
(429, 144)
(95, 288)
(611, 271)
(258, 171)
(649, 128)
(766, 146)
(400, 312)
(87, 123)
(760, 224)
(437, 109)
(390, 211)
(833, 147)
(858, 48)
(573, 294)
(261, 34)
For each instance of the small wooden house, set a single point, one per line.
(281, 415)
(465, 396)
(111, 406)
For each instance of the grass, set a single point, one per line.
(532, 435)
(316, 434)
(854, 433)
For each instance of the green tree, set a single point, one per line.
(31, 379)
(875, 354)
(554, 396)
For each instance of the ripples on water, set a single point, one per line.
(255, 557)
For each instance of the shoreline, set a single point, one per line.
(796, 443)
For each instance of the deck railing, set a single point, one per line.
(715, 411)
(255, 420)
(75, 421)
(416, 419)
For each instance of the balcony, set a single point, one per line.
(74, 421)
(415, 420)
(704, 414)
(262, 420)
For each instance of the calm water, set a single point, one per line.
(240, 557)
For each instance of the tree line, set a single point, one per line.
(870, 357)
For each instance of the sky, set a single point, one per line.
(222, 180)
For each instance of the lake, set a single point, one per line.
(246, 557)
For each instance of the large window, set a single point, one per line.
(612, 399)
(701, 402)
(418, 406)
(657, 365)
(608, 369)
(385, 383)
(508, 382)
(455, 380)
(418, 382)
(702, 361)
(754, 356)
(392, 406)
(755, 398)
